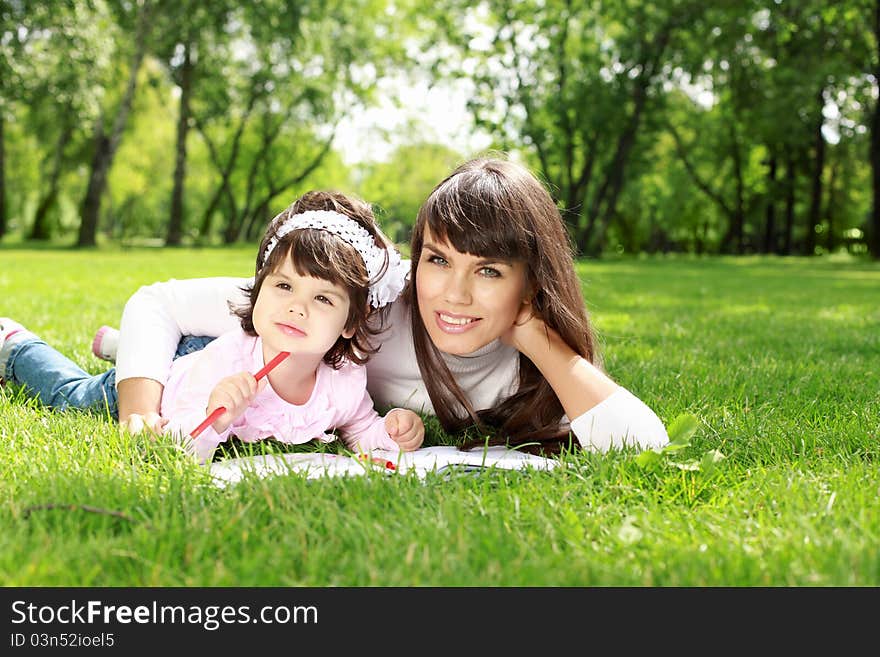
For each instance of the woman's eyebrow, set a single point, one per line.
(435, 249)
(481, 262)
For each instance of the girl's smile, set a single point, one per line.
(291, 330)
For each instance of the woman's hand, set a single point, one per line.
(405, 428)
(526, 329)
(235, 393)
(141, 397)
(151, 422)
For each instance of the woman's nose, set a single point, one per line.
(458, 290)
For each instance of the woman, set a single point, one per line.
(492, 329)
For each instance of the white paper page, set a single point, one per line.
(422, 461)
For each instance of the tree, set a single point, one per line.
(191, 35)
(271, 122)
(399, 186)
(106, 143)
(572, 84)
(874, 225)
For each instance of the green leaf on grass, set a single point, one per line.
(710, 460)
(682, 428)
(649, 458)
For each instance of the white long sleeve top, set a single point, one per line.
(157, 315)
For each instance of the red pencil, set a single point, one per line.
(220, 410)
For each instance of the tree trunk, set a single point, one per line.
(91, 205)
(874, 226)
(2, 178)
(615, 178)
(106, 146)
(704, 187)
(790, 180)
(225, 170)
(815, 212)
(234, 225)
(610, 190)
(40, 229)
(769, 245)
(733, 240)
(830, 207)
(176, 221)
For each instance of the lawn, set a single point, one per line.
(779, 485)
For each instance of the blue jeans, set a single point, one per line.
(59, 383)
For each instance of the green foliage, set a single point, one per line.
(398, 187)
(677, 125)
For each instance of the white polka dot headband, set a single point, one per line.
(385, 286)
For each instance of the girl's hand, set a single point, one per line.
(405, 428)
(235, 393)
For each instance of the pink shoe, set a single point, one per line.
(8, 328)
(105, 343)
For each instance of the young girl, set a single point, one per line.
(322, 271)
(492, 330)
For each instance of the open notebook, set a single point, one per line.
(422, 461)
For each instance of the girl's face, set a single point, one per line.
(466, 301)
(300, 314)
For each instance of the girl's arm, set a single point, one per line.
(603, 414)
(360, 426)
(154, 319)
(187, 400)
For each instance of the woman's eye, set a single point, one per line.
(322, 299)
(437, 260)
(489, 272)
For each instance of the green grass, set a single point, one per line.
(778, 359)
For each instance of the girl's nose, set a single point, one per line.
(297, 307)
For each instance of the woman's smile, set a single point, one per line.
(454, 323)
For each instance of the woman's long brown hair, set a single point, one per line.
(490, 207)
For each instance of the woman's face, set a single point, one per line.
(466, 301)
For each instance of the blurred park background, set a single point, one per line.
(699, 126)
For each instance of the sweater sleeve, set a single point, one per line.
(156, 316)
(620, 420)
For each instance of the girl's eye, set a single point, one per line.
(283, 286)
(437, 260)
(489, 272)
(322, 299)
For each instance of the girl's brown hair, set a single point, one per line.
(490, 207)
(319, 253)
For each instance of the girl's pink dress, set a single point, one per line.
(339, 401)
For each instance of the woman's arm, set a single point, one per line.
(154, 319)
(578, 383)
(603, 414)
